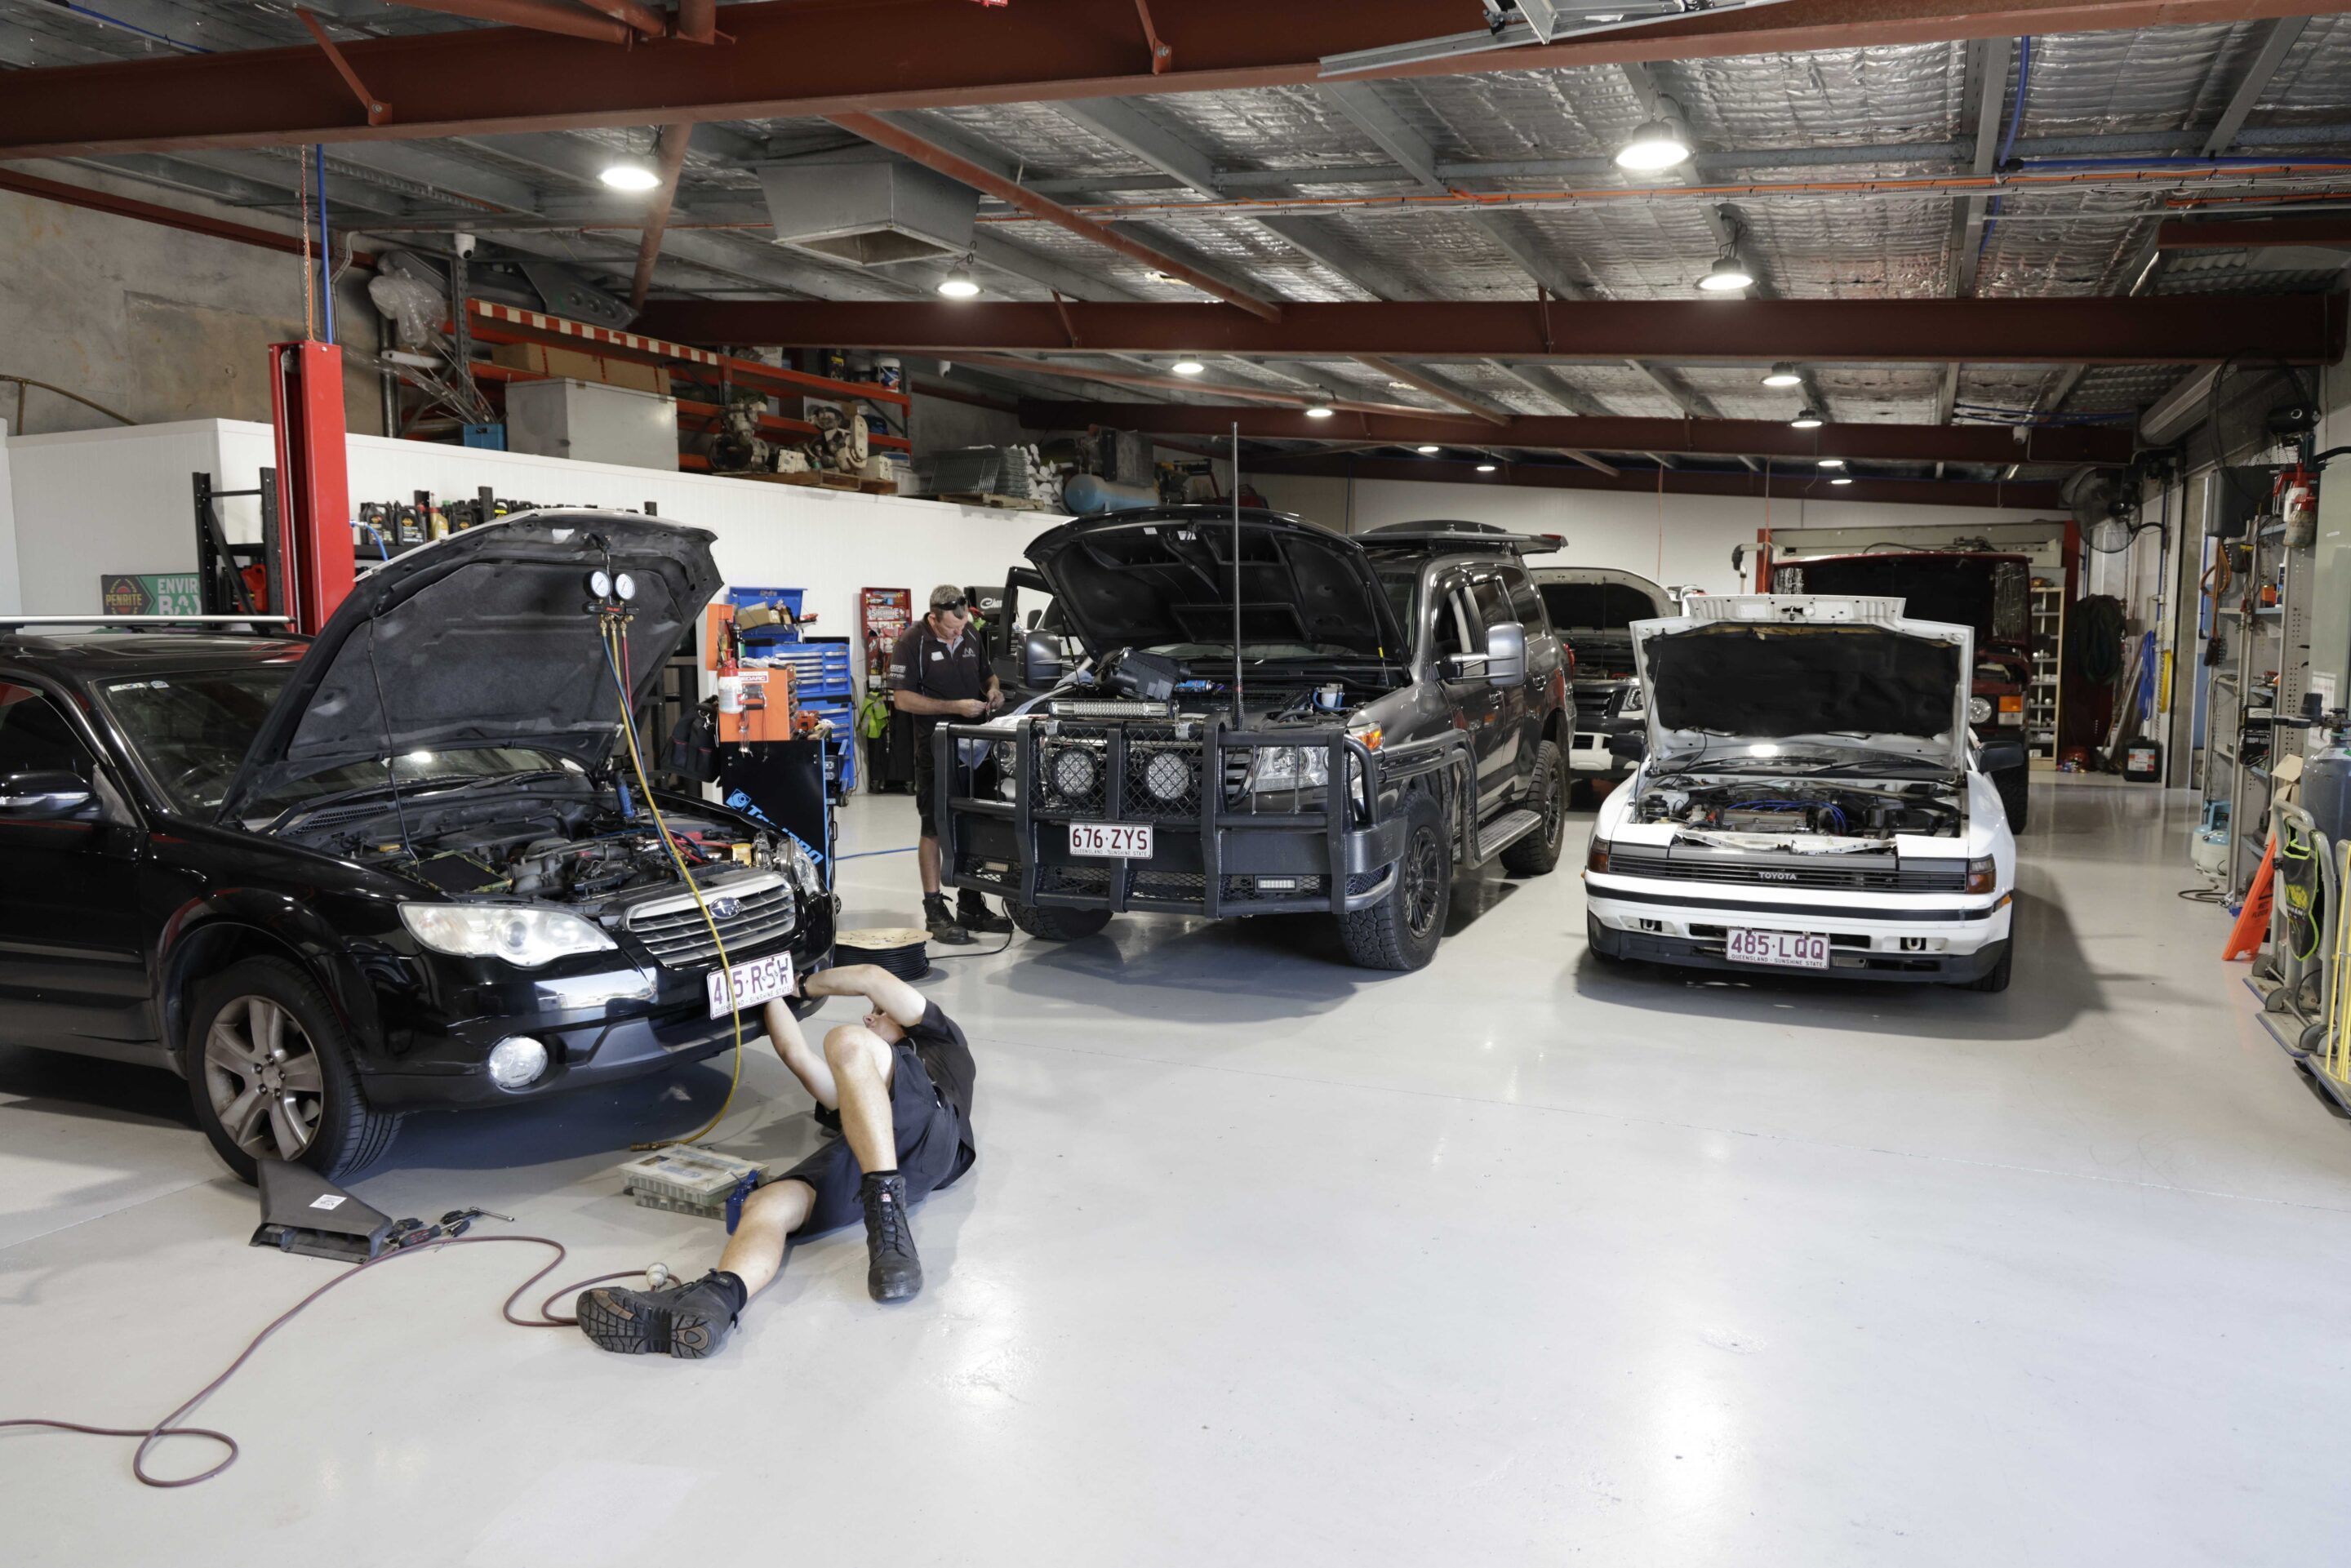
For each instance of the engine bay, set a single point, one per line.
(575, 850)
(1870, 811)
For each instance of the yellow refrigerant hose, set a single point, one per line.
(612, 631)
(2336, 1062)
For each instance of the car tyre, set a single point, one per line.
(1401, 931)
(1056, 924)
(2015, 787)
(1538, 853)
(270, 1072)
(1997, 978)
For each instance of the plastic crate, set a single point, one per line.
(686, 1180)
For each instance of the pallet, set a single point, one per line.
(824, 480)
(995, 503)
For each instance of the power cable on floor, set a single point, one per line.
(169, 1425)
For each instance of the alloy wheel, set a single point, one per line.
(263, 1075)
(1423, 869)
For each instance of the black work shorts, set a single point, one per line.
(930, 1149)
(926, 805)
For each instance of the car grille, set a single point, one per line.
(1815, 871)
(1168, 886)
(1592, 706)
(673, 931)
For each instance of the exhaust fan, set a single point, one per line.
(870, 209)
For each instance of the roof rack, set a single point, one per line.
(1465, 537)
(136, 622)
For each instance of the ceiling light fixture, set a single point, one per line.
(1320, 410)
(959, 284)
(1832, 462)
(1187, 367)
(1783, 375)
(1485, 468)
(629, 173)
(1842, 479)
(1400, 386)
(1729, 274)
(1428, 451)
(1808, 419)
(1659, 143)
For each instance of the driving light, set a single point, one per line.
(1656, 144)
(1808, 419)
(959, 284)
(624, 587)
(515, 1061)
(600, 583)
(1980, 710)
(1073, 773)
(524, 938)
(1783, 375)
(630, 175)
(1167, 777)
(1983, 875)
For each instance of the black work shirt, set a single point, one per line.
(946, 1055)
(925, 663)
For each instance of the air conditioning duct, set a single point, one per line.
(869, 209)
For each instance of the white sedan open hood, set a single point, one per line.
(1804, 669)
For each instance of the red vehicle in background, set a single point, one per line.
(1987, 591)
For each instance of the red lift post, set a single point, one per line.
(314, 499)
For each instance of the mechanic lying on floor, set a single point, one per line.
(898, 1087)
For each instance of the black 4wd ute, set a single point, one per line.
(1395, 709)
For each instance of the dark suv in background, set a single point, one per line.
(395, 867)
(1592, 610)
(1395, 710)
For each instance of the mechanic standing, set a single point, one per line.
(939, 670)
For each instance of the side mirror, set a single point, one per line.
(1040, 661)
(43, 797)
(2001, 756)
(1506, 653)
(1629, 748)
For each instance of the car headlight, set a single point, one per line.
(801, 867)
(523, 937)
(1595, 855)
(1983, 875)
(1288, 768)
(1980, 710)
(1635, 703)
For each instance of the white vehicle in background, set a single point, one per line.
(1592, 608)
(1808, 798)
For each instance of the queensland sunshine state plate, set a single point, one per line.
(1788, 949)
(751, 985)
(1110, 840)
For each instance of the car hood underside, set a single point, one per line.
(1724, 686)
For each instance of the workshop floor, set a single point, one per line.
(1269, 1260)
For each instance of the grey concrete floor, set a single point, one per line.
(1266, 1259)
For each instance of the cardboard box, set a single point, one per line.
(573, 364)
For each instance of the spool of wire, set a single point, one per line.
(902, 950)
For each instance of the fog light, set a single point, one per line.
(517, 1060)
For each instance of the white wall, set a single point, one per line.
(99, 501)
(1673, 539)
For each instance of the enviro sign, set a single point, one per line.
(150, 594)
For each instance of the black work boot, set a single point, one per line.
(893, 1272)
(686, 1321)
(973, 915)
(942, 922)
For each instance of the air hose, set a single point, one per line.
(613, 626)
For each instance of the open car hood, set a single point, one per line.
(1165, 575)
(481, 639)
(1836, 674)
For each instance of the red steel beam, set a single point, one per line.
(642, 19)
(538, 15)
(1986, 443)
(808, 59)
(670, 162)
(164, 217)
(1785, 488)
(2303, 329)
(987, 181)
(2249, 233)
(697, 21)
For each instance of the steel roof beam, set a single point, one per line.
(2302, 328)
(1726, 438)
(2255, 233)
(2277, 37)
(1679, 482)
(794, 59)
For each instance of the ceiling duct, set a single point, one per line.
(869, 209)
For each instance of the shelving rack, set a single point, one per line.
(2267, 670)
(2041, 695)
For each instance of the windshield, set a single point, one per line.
(193, 730)
(1598, 606)
(1403, 588)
